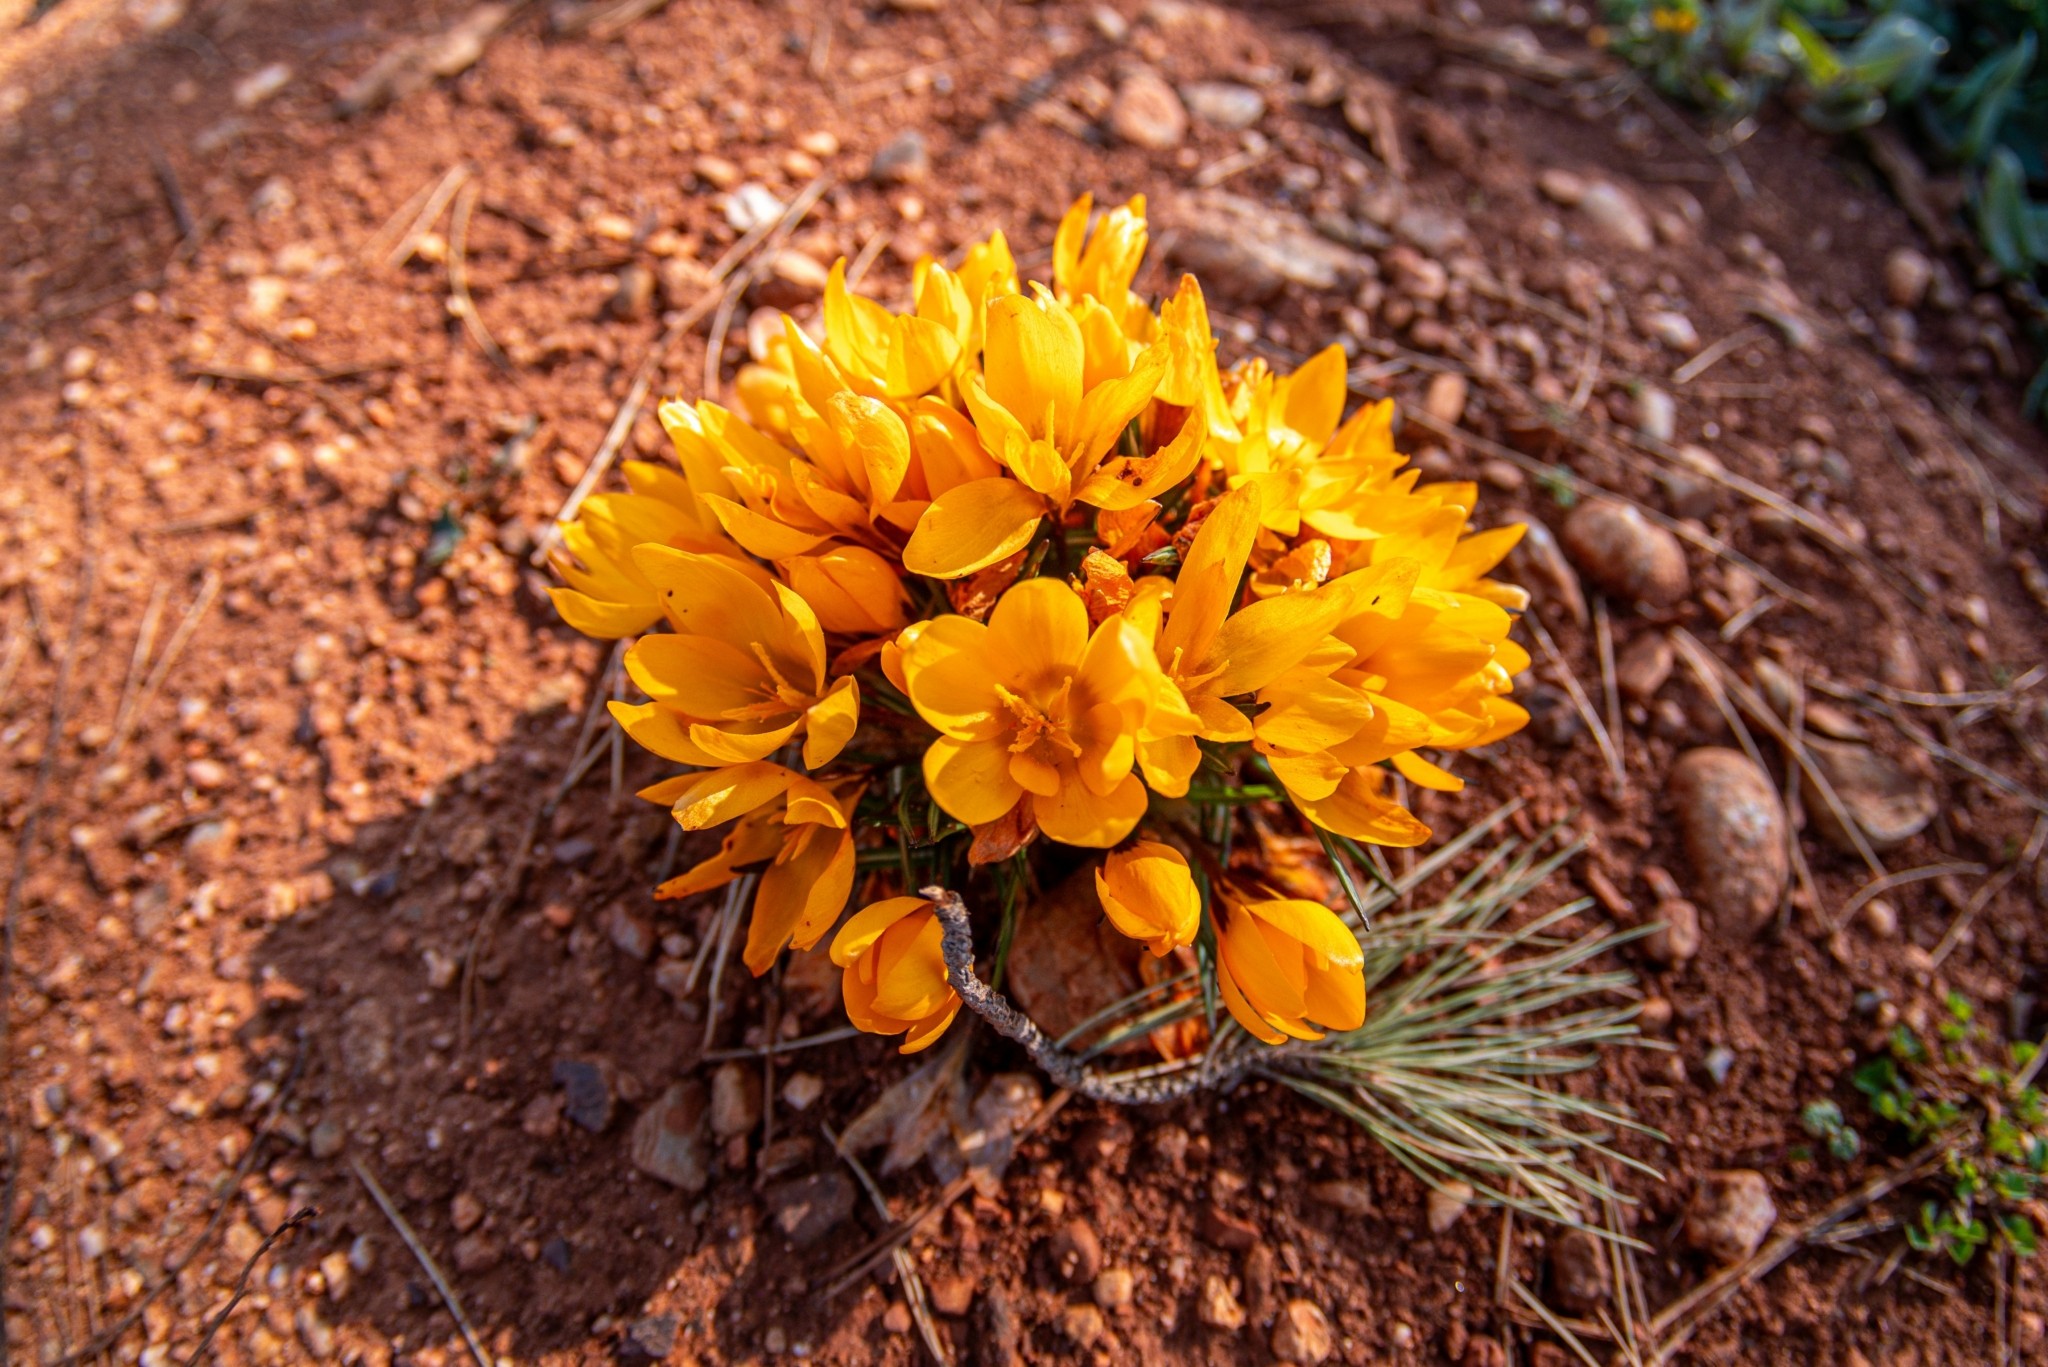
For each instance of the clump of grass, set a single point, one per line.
(1472, 1025)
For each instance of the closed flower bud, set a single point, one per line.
(1148, 893)
(1286, 966)
(895, 972)
(852, 589)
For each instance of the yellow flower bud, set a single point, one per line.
(1148, 893)
(1284, 963)
(852, 589)
(895, 973)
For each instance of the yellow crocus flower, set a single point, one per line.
(1037, 416)
(1149, 894)
(1285, 966)
(895, 981)
(801, 830)
(1032, 706)
(743, 672)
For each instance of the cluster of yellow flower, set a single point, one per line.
(1045, 538)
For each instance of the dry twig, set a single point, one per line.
(209, 589)
(425, 1259)
(293, 1222)
(458, 277)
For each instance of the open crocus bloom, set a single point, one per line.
(797, 833)
(742, 673)
(1285, 966)
(895, 982)
(1034, 707)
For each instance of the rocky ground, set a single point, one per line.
(313, 316)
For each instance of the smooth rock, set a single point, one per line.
(1579, 1276)
(1888, 804)
(1445, 398)
(1217, 1306)
(1302, 1334)
(1115, 1287)
(653, 1336)
(1644, 666)
(1081, 1325)
(1615, 213)
(1224, 104)
(1350, 1196)
(1733, 828)
(1076, 1251)
(1907, 274)
(1674, 330)
(903, 160)
(1246, 250)
(634, 296)
(1561, 187)
(1730, 1213)
(809, 1208)
(1677, 938)
(735, 1100)
(1656, 414)
(668, 1138)
(1553, 718)
(1445, 1204)
(750, 206)
(1147, 113)
(1625, 553)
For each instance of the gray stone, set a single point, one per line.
(1248, 251)
(653, 1336)
(586, 1093)
(367, 1034)
(1733, 828)
(1147, 113)
(735, 1100)
(1302, 1334)
(1888, 804)
(1616, 214)
(1579, 1276)
(668, 1138)
(1730, 1214)
(903, 160)
(809, 1208)
(1224, 104)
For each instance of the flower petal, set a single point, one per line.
(970, 780)
(971, 526)
(1077, 816)
(830, 723)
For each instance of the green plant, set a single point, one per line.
(1823, 1120)
(1963, 76)
(1963, 1092)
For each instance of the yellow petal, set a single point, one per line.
(865, 926)
(1127, 482)
(760, 535)
(801, 894)
(607, 621)
(971, 526)
(1038, 630)
(1207, 585)
(830, 723)
(876, 439)
(660, 729)
(1032, 359)
(1357, 810)
(1077, 816)
(719, 795)
(1255, 1023)
(727, 745)
(1423, 774)
(970, 780)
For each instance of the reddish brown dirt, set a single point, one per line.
(274, 882)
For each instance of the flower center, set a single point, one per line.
(1036, 730)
